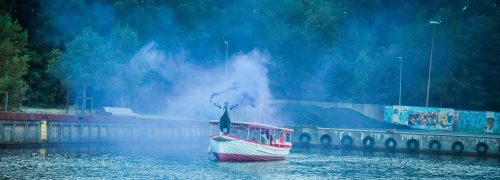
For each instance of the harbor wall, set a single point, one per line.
(423, 118)
(429, 118)
(38, 129)
(401, 141)
(25, 129)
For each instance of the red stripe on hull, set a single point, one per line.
(252, 141)
(224, 157)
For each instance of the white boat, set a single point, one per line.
(249, 142)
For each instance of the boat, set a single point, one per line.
(249, 142)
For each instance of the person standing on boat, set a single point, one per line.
(225, 121)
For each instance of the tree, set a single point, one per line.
(84, 63)
(54, 73)
(321, 50)
(13, 59)
(123, 43)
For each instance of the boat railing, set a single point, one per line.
(261, 135)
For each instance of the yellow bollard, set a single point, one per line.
(43, 130)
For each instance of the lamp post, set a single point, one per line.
(225, 74)
(433, 22)
(400, 77)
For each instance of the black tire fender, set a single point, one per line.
(435, 146)
(412, 145)
(481, 148)
(457, 147)
(346, 141)
(305, 138)
(391, 144)
(368, 142)
(325, 140)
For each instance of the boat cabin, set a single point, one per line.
(257, 133)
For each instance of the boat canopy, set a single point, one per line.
(254, 125)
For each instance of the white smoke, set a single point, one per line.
(247, 84)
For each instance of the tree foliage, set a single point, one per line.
(321, 50)
(124, 42)
(83, 61)
(13, 60)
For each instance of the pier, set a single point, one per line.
(40, 130)
(410, 141)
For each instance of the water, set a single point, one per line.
(191, 162)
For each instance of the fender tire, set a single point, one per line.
(346, 142)
(368, 142)
(391, 144)
(457, 147)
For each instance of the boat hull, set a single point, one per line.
(224, 157)
(231, 149)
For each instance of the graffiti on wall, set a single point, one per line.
(429, 118)
(479, 121)
(422, 117)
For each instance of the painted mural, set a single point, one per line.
(429, 118)
(479, 121)
(421, 117)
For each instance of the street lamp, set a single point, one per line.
(225, 75)
(433, 23)
(400, 77)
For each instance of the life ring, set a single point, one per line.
(390, 144)
(368, 142)
(457, 147)
(305, 138)
(481, 148)
(346, 141)
(435, 146)
(325, 140)
(412, 145)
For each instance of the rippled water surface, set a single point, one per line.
(154, 162)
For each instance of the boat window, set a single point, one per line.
(254, 134)
(239, 131)
(277, 136)
(288, 137)
(214, 129)
(273, 137)
(264, 136)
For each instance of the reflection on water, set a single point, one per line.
(184, 161)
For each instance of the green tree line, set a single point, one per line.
(54, 52)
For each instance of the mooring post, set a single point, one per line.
(80, 127)
(59, 132)
(1, 130)
(13, 132)
(25, 138)
(99, 133)
(43, 131)
(37, 132)
(70, 133)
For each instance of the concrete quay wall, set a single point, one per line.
(23, 132)
(22, 129)
(402, 141)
